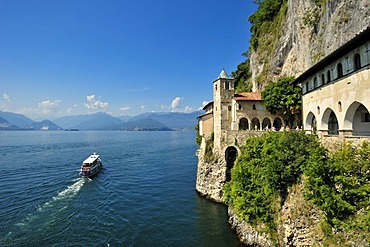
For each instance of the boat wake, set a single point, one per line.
(56, 204)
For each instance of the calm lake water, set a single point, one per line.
(144, 196)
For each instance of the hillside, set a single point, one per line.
(5, 125)
(289, 36)
(16, 119)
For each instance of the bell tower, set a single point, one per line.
(223, 93)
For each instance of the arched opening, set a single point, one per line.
(315, 82)
(339, 70)
(230, 156)
(333, 125)
(357, 61)
(311, 123)
(278, 123)
(254, 107)
(358, 119)
(339, 106)
(256, 124)
(266, 123)
(322, 79)
(243, 124)
(328, 76)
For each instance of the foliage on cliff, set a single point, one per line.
(338, 184)
(243, 77)
(286, 97)
(265, 169)
(266, 23)
(264, 18)
(198, 138)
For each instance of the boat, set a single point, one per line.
(91, 165)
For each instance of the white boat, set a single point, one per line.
(91, 165)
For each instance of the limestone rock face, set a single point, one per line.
(302, 44)
(211, 178)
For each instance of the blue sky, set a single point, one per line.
(124, 57)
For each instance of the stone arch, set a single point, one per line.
(243, 124)
(278, 123)
(329, 122)
(311, 122)
(357, 119)
(256, 122)
(230, 156)
(266, 123)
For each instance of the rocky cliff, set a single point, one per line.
(311, 30)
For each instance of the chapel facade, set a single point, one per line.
(231, 117)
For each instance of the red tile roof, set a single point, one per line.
(248, 96)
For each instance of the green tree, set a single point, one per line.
(284, 96)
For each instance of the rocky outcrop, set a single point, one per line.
(248, 235)
(310, 33)
(211, 177)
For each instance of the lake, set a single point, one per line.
(144, 195)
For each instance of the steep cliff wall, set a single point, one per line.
(310, 32)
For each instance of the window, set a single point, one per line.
(339, 106)
(357, 59)
(307, 89)
(227, 86)
(240, 107)
(322, 79)
(229, 108)
(318, 110)
(216, 87)
(254, 107)
(315, 82)
(328, 76)
(339, 70)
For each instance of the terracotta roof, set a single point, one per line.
(255, 96)
(206, 114)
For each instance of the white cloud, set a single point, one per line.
(95, 104)
(47, 106)
(124, 108)
(7, 97)
(188, 109)
(175, 105)
(142, 107)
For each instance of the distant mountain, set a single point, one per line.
(97, 121)
(43, 125)
(104, 121)
(142, 125)
(16, 119)
(5, 125)
(125, 118)
(173, 120)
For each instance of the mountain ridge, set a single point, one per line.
(103, 121)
